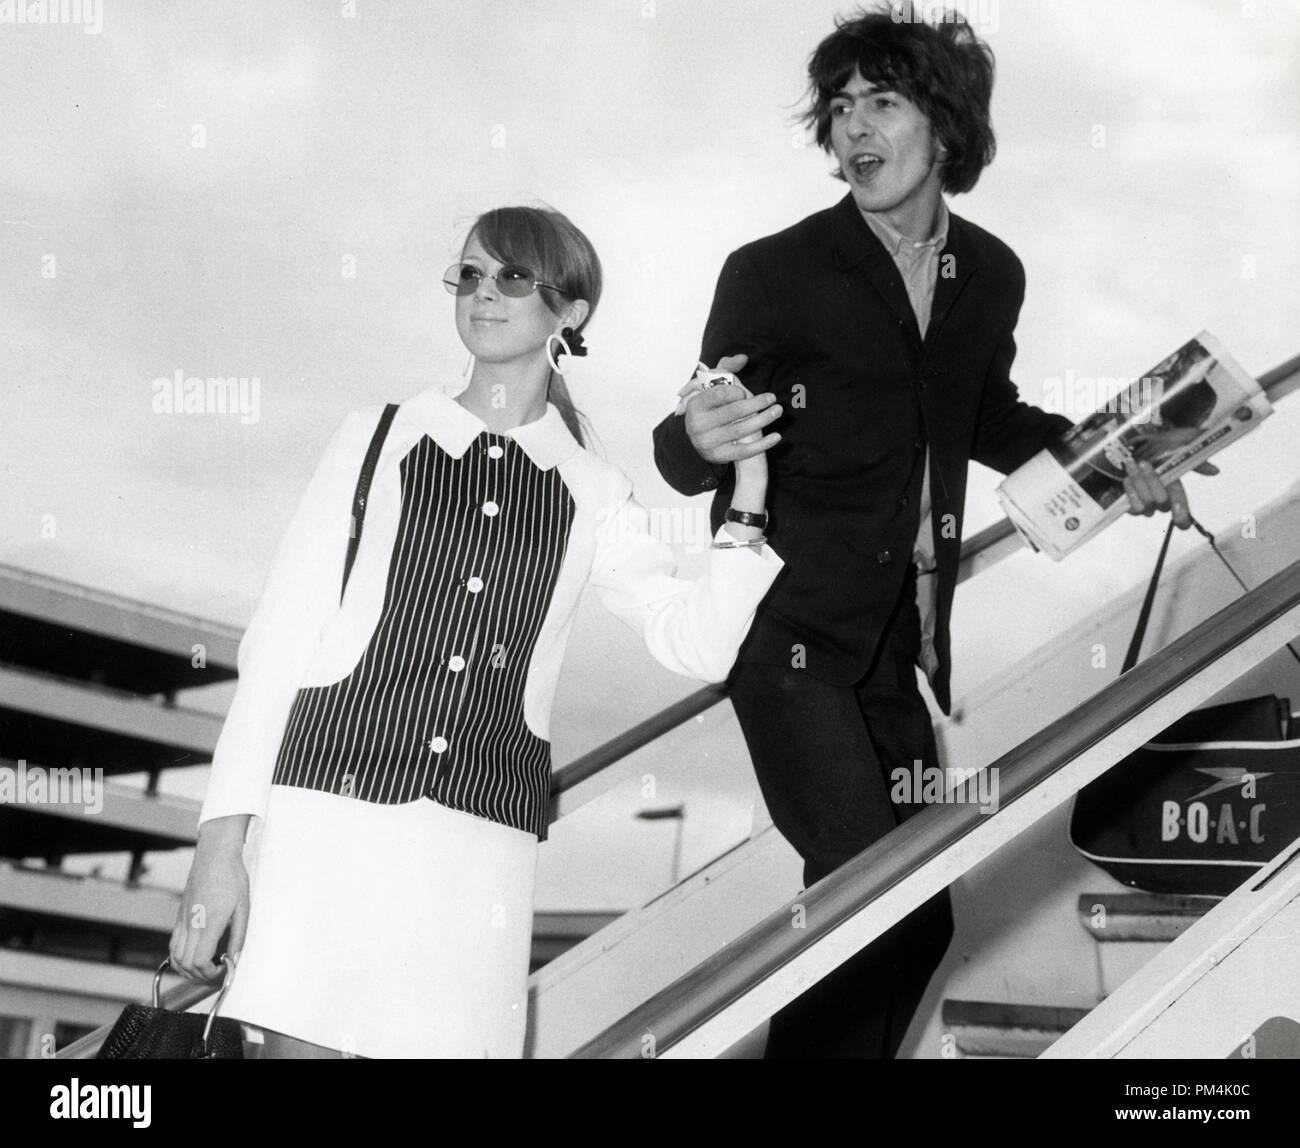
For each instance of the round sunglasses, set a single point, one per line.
(512, 280)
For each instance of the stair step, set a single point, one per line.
(997, 1029)
(1150, 917)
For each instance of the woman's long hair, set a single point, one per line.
(549, 245)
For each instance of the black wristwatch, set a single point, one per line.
(746, 518)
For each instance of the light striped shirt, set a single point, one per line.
(918, 263)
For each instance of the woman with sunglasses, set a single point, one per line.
(393, 743)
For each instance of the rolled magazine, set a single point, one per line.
(1180, 413)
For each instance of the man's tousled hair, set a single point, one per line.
(940, 65)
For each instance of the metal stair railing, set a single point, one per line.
(695, 1007)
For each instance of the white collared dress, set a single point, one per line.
(394, 746)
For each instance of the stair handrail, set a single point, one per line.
(739, 967)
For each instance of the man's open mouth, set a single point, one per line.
(865, 165)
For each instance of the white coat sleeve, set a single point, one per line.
(300, 594)
(696, 627)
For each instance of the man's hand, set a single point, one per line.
(1147, 492)
(720, 418)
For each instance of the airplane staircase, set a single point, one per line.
(697, 971)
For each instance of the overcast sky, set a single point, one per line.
(272, 191)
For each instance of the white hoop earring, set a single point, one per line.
(550, 355)
(469, 366)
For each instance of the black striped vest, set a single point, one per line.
(435, 706)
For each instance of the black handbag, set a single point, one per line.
(145, 1032)
(1204, 804)
(1199, 808)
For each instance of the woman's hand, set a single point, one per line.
(216, 896)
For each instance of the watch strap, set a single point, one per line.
(746, 518)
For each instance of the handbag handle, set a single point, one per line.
(1144, 615)
(216, 1005)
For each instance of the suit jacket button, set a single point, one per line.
(884, 557)
(902, 502)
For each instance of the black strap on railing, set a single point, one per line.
(1144, 614)
(737, 968)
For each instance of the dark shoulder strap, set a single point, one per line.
(363, 489)
(1144, 615)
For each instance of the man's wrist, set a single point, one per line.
(681, 465)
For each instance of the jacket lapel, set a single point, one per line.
(855, 247)
(956, 266)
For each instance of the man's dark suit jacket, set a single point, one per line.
(822, 313)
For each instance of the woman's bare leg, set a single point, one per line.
(278, 1046)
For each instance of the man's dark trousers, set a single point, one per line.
(823, 755)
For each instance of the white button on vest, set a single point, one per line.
(495, 451)
(474, 585)
(455, 663)
(438, 744)
(491, 509)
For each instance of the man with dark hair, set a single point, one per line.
(880, 332)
